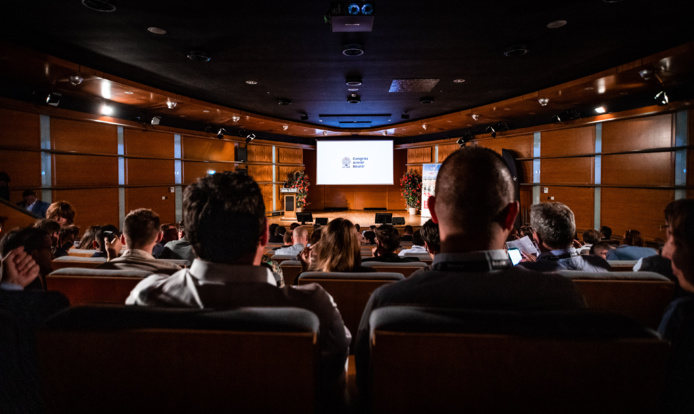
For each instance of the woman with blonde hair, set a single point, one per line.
(62, 212)
(337, 251)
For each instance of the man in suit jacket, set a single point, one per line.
(33, 205)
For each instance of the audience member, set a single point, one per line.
(605, 233)
(338, 250)
(66, 239)
(417, 245)
(293, 226)
(387, 242)
(369, 237)
(555, 228)
(475, 209)
(225, 223)
(407, 233)
(169, 233)
(87, 240)
(272, 228)
(37, 244)
(299, 241)
(141, 231)
(179, 249)
(315, 236)
(51, 227)
(632, 248)
(278, 235)
(677, 325)
(590, 237)
(33, 205)
(600, 249)
(109, 232)
(62, 212)
(358, 227)
(430, 235)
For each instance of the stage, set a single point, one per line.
(361, 217)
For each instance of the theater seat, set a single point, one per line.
(81, 252)
(91, 286)
(138, 359)
(291, 269)
(451, 361)
(406, 268)
(350, 291)
(279, 258)
(640, 295)
(77, 261)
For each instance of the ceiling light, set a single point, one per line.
(284, 101)
(458, 80)
(99, 5)
(543, 101)
(662, 98)
(199, 56)
(600, 110)
(285, 127)
(170, 104)
(250, 136)
(460, 142)
(556, 24)
(76, 79)
(588, 88)
(155, 120)
(206, 111)
(353, 98)
(353, 49)
(353, 89)
(426, 100)
(492, 130)
(251, 82)
(106, 109)
(353, 81)
(156, 30)
(325, 133)
(384, 133)
(303, 116)
(236, 118)
(646, 74)
(516, 50)
(53, 98)
(424, 126)
(476, 117)
(221, 133)
(129, 92)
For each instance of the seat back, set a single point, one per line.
(640, 295)
(77, 261)
(350, 291)
(443, 361)
(406, 268)
(91, 286)
(137, 359)
(291, 269)
(279, 258)
(81, 252)
(621, 265)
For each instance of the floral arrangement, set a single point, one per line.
(300, 181)
(411, 183)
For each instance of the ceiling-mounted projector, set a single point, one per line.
(351, 16)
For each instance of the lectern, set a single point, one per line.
(289, 203)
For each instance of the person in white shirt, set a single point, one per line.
(417, 246)
(299, 241)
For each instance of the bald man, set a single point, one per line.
(299, 241)
(475, 209)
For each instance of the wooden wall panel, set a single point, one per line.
(521, 145)
(197, 148)
(370, 196)
(82, 136)
(568, 142)
(159, 199)
(316, 197)
(19, 129)
(642, 210)
(447, 149)
(259, 153)
(149, 172)
(194, 170)
(580, 201)
(417, 168)
(566, 171)
(24, 169)
(84, 170)
(266, 190)
(283, 171)
(526, 200)
(140, 143)
(656, 169)
(417, 155)
(395, 200)
(290, 155)
(339, 196)
(260, 172)
(636, 134)
(94, 207)
(525, 171)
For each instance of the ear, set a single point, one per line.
(432, 209)
(160, 236)
(122, 239)
(265, 236)
(509, 215)
(95, 245)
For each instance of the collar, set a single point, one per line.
(479, 261)
(226, 273)
(558, 254)
(137, 253)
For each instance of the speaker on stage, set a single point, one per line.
(322, 221)
(398, 221)
(383, 218)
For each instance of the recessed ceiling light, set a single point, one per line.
(354, 81)
(99, 5)
(589, 88)
(516, 50)
(507, 109)
(251, 82)
(543, 101)
(236, 118)
(353, 89)
(128, 92)
(458, 80)
(556, 24)
(206, 111)
(475, 116)
(170, 104)
(600, 109)
(156, 30)
(106, 109)
(285, 127)
(199, 56)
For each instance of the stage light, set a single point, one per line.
(662, 98)
(646, 74)
(170, 104)
(543, 101)
(285, 127)
(76, 79)
(106, 109)
(53, 98)
(155, 120)
(492, 130)
(600, 109)
(476, 117)
(221, 133)
(235, 118)
(556, 118)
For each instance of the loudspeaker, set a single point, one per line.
(322, 221)
(398, 220)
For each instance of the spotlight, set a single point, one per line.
(236, 118)
(325, 133)
(285, 127)
(425, 126)
(155, 120)
(476, 117)
(646, 74)
(221, 133)
(492, 130)
(460, 142)
(556, 118)
(106, 109)
(600, 110)
(284, 101)
(354, 98)
(170, 104)
(662, 98)
(543, 101)
(53, 98)
(76, 79)
(250, 136)
(303, 116)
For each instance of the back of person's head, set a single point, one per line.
(358, 227)
(339, 248)
(370, 237)
(50, 226)
(224, 216)
(430, 234)
(680, 217)
(408, 229)
(293, 226)
(315, 236)
(287, 238)
(87, 240)
(69, 234)
(417, 239)
(169, 234)
(300, 235)
(273, 227)
(108, 230)
(35, 241)
(554, 223)
(600, 249)
(388, 237)
(633, 238)
(473, 190)
(280, 231)
(606, 232)
(61, 210)
(141, 228)
(29, 195)
(591, 236)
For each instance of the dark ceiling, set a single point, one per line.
(291, 52)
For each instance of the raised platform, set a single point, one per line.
(361, 217)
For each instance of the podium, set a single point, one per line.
(290, 199)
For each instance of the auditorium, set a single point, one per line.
(338, 115)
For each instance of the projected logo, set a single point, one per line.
(345, 162)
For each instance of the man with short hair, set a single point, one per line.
(407, 233)
(225, 223)
(417, 246)
(141, 232)
(430, 235)
(299, 241)
(555, 227)
(33, 205)
(590, 237)
(476, 210)
(387, 242)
